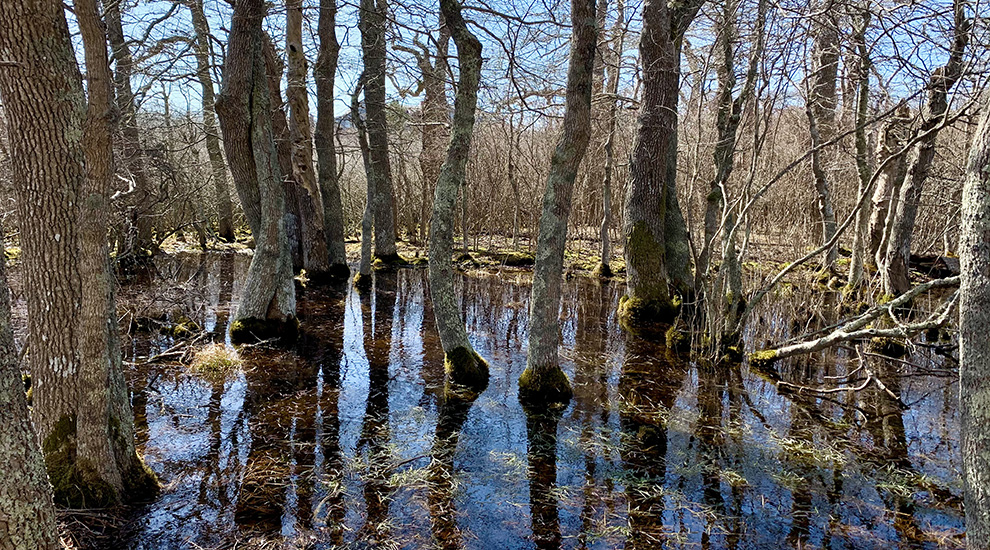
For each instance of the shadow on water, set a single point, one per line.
(351, 440)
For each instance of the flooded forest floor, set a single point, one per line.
(347, 440)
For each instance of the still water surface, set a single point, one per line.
(348, 441)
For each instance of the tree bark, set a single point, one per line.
(62, 164)
(613, 67)
(653, 229)
(141, 209)
(268, 303)
(372, 26)
(974, 347)
(857, 261)
(462, 364)
(543, 381)
(893, 136)
(204, 64)
(894, 270)
(324, 72)
(25, 494)
(314, 244)
(363, 279)
(821, 114)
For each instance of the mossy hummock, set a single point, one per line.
(546, 386)
(763, 359)
(362, 282)
(252, 329)
(637, 314)
(603, 271)
(677, 337)
(390, 261)
(465, 367)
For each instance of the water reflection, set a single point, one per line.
(351, 440)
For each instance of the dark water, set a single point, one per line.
(347, 440)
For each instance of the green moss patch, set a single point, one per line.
(362, 282)
(74, 481)
(465, 367)
(390, 261)
(547, 386)
(763, 359)
(641, 316)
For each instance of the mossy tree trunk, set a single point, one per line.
(204, 63)
(61, 155)
(324, 73)
(894, 269)
(655, 238)
(436, 117)
(372, 27)
(25, 494)
(268, 302)
(463, 365)
(141, 211)
(315, 256)
(974, 347)
(543, 381)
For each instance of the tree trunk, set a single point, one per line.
(141, 207)
(543, 381)
(363, 279)
(268, 303)
(436, 116)
(204, 63)
(651, 195)
(894, 271)
(821, 114)
(295, 218)
(25, 494)
(974, 347)
(372, 26)
(62, 165)
(462, 364)
(857, 262)
(314, 244)
(613, 66)
(324, 72)
(893, 137)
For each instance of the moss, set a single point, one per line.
(543, 387)
(732, 354)
(420, 262)
(28, 388)
(182, 327)
(252, 329)
(763, 359)
(75, 482)
(362, 282)
(515, 259)
(390, 261)
(139, 481)
(603, 271)
(465, 367)
(637, 315)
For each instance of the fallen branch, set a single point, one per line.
(854, 330)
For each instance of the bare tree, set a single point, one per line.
(463, 365)
(324, 72)
(268, 300)
(543, 381)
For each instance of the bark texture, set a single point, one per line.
(315, 257)
(858, 259)
(543, 381)
(25, 495)
(204, 64)
(894, 269)
(974, 347)
(324, 72)
(61, 153)
(268, 302)
(655, 237)
(613, 67)
(462, 364)
(372, 26)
